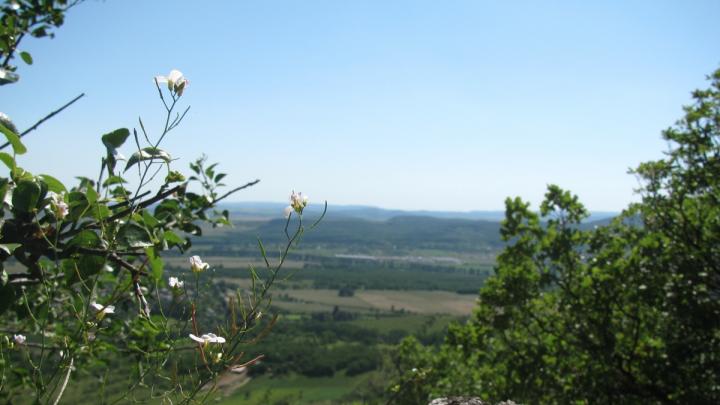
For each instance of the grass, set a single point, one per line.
(295, 389)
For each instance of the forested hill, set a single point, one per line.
(396, 236)
(358, 229)
(370, 213)
(404, 233)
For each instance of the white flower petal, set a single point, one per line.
(175, 76)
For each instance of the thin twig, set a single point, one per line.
(235, 190)
(47, 117)
(65, 383)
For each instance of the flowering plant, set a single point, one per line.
(82, 276)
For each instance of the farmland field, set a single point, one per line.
(414, 301)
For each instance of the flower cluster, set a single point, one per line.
(298, 202)
(176, 82)
(175, 283)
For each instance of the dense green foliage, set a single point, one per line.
(625, 313)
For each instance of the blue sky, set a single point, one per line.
(439, 105)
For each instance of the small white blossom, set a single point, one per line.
(298, 202)
(176, 82)
(197, 265)
(207, 338)
(102, 310)
(175, 283)
(62, 210)
(58, 204)
(287, 211)
(19, 339)
(14, 5)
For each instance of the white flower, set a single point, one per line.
(175, 283)
(207, 338)
(298, 202)
(197, 265)
(62, 210)
(102, 310)
(19, 339)
(59, 206)
(14, 5)
(175, 80)
(287, 211)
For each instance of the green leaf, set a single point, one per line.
(101, 211)
(9, 248)
(78, 204)
(69, 268)
(148, 153)
(173, 238)
(91, 194)
(156, 264)
(8, 160)
(174, 177)
(112, 180)
(134, 235)
(53, 184)
(26, 195)
(149, 219)
(26, 58)
(14, 140)
(89, 265)
(4, 182)
(86, 238)
(115, 139)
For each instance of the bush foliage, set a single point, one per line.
(624, 313)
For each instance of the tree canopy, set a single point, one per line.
(623, 313)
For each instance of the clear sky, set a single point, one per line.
(439, 105)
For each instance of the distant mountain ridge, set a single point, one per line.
(370, 213)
